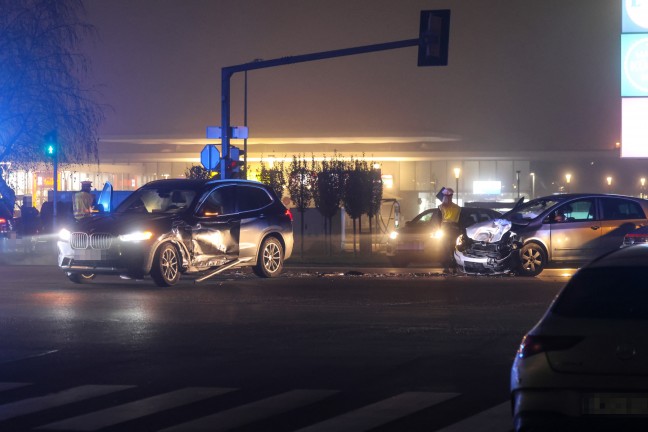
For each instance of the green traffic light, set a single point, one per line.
(50, 149)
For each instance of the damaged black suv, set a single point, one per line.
(172, 227)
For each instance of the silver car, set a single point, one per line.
(556, 228)
(584, 365)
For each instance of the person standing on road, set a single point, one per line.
(83, 201)
(450, 225)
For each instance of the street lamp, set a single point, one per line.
(532, 185)
(568, 178)
(609, 182)
(457, 171)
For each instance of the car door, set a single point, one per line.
(578, 237)
(254, 209)
(216, 228)
(620, 216)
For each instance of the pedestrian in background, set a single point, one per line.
(450, 225)
(83, 201)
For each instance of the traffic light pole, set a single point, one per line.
(227, 72)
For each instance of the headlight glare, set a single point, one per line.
(437, 234)
(64, 235)
(393, 235)
(136, 236)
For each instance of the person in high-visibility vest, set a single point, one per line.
(83, 201)
(450, 225)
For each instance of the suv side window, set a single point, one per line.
(219, 202)
(619, 209)
(252, 198)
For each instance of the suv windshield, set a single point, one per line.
(157, 200)
(531, 210)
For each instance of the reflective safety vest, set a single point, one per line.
(450, 212)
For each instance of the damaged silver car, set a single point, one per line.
(559, 228)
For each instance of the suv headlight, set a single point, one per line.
(393, 235)
(136, 236)
(64, 235)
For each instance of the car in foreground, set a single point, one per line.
(172, 227)
(558, 228)
(584, 365)
(420, 240)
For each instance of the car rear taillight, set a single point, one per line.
(3, 220)
(531, 345)
(289, 214)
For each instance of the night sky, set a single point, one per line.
(521, 74)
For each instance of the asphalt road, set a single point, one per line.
(316, 349)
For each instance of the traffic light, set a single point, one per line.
(434, 34)
(233, 163)
(51, 145)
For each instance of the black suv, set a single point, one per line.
(171, 227)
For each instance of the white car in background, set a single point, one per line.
(584, 365)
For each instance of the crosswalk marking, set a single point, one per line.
(253, 411)
(379, 413)
(495, 419)
(11, 385)
(36, 404)
(133, 410)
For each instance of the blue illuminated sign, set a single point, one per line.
(634, 16)
(634, 65)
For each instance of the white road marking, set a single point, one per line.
(133, 410)
(253, 411)
(382, 412)
(495, 419)
(76, 394)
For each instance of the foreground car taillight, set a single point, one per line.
(531, 344)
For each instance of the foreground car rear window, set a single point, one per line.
(606, 293)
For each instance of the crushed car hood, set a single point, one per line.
(489, 231)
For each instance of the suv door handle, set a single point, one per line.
(595, 227)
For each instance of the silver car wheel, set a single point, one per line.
(271, 257)
(169, 264)
(270, 261)
(533, 259)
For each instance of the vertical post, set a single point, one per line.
(55, 169)
(245, 123)
(532, 185)
(226, 75)
(517, 176)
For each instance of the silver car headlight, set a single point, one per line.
(393, 235)
(437, 234)
(136, 236)
(64, 235)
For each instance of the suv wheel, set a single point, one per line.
(270, 260)
(166, 266)
(533, 260)
(80, 277)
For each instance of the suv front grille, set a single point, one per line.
(79, 240)
(99, 241)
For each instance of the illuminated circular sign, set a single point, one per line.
(635, 65)
(638, 12)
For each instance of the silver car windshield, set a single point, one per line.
(157, 200)
(531, 210)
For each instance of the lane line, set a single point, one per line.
(382, 412)
(495, 419)
(254, 411)
(133, 410)
(76, 394)
(11, 385)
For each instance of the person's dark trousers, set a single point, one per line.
(450, 233)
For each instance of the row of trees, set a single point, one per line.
(328, 185)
